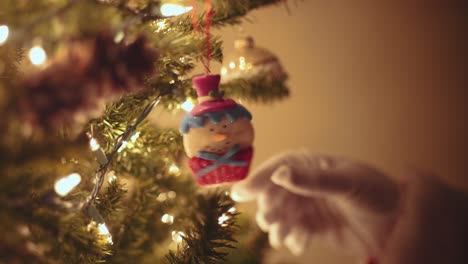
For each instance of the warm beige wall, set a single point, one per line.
(376, 82)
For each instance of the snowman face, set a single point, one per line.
(218, 138)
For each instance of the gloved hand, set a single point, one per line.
(302, 196)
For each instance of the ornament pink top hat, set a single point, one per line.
(210, 98)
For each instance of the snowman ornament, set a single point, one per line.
(217, 135)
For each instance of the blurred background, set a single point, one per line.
(382, 82)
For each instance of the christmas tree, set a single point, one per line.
(85, 178)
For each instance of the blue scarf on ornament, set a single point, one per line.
(220, 160)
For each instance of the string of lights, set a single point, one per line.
(106, 160)
(66, 184)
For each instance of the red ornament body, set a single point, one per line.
(222, 173)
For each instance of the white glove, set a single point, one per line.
(302, 196)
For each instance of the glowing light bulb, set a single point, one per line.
(232, 65)
(167, 219)
(24, 230)
(161, 197)
(37, 55)
(242, 65)
(4, 31)
(119, 36)
(161, 25)
(98, 151)
(124, 144)
(177, 236)
(103, 231)
(171, 195)
(66, 184)
(235, 195)
(188, 105)
(223, 219)
(232, 210)
(223, 70)
(112, 178)
(174, 169)
(135, 136)
(174, 9)
(93, 144)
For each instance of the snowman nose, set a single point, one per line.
(219, 137)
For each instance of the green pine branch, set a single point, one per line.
(208, 240)
(109, 203)
(227, 13)
(135, 235)
(39, 230)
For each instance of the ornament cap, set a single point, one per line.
(247, 42)
(206, 85)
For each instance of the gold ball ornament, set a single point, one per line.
(249, 61)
